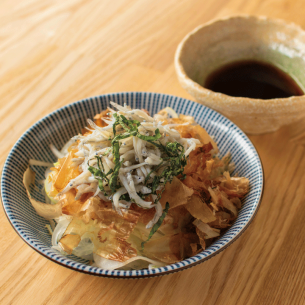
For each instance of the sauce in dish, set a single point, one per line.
(252, 79)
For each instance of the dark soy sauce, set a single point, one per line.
(253, 79)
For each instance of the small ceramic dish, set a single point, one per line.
(223, 41)
(59, 126)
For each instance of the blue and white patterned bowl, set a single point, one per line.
(62, 124)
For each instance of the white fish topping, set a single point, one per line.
(137, 159)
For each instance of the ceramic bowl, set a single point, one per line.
(62, 124)
(223, 41)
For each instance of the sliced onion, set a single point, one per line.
(64, 150)
(48, 211)
(137, 262)
(85, 247)
(48, 187)
(62, 224)
(40, 163)
(56, 152)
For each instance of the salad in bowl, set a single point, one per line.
(134, 191)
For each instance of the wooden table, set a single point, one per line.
(54, 52)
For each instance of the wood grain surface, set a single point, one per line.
(54, 52)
